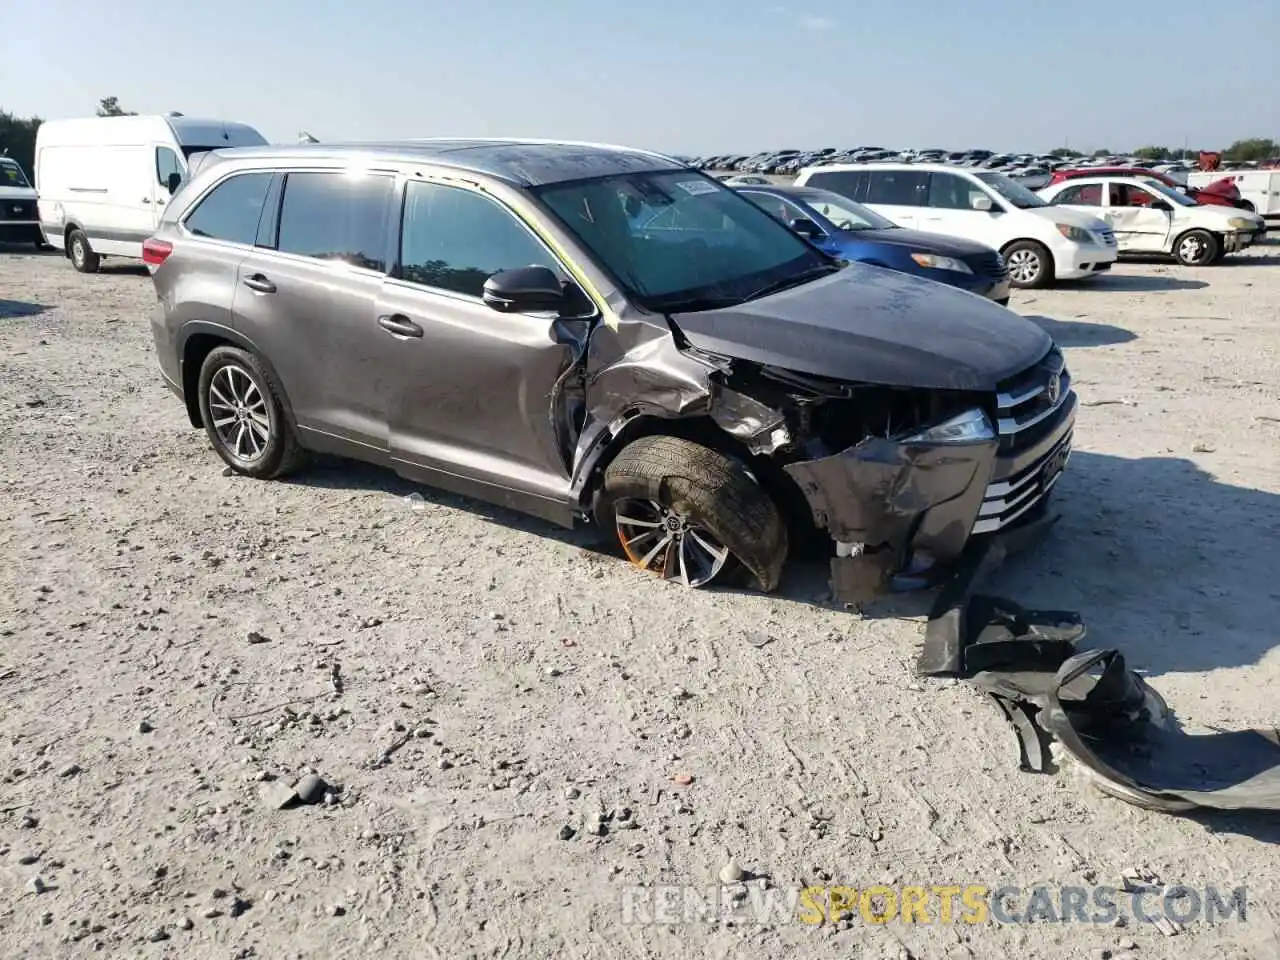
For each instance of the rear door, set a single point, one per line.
(475, 390)
(899, 195)
(307, 293)
(950, 211)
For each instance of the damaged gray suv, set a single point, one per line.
(595, 334)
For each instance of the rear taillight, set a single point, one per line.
(156, 252)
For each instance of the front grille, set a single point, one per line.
(17, 209)
(1027, 408)
(1007, 500)
(1026, 401)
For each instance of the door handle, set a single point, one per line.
(146, 199)
(400, 325)
(259, 283)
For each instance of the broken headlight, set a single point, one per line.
(967, 427)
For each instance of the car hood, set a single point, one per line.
(918, 240)
(874, 325)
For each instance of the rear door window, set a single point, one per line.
(847, 183)
(1081, 195)
(231, 210)
(900, 188)
(455, 239)
(336, 216)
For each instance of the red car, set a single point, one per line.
(1220, 193)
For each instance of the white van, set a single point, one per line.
(104, 181)
(1260, 189)
(1149, 217)
(18, 220)
(1040, 243)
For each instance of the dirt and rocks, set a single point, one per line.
(511, 731)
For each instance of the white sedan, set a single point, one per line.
(1149, 217)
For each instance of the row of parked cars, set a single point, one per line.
(981, 231)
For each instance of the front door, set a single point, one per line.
(950, 210)
(306, 296)
(475, 402)
(1138, 226)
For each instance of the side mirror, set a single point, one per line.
(980, 202)
(173, 182)
(1162, 206)
(524, 290)
(806, 228)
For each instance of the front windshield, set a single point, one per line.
(11, 175)
(677, 240)
(1015, 193)
(844, 213)
(1173, 196)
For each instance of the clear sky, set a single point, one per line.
(679, 75)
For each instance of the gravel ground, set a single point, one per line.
(170, 635)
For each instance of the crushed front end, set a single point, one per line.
(903, 480)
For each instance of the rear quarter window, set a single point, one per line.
(230, 212)
(847, 183)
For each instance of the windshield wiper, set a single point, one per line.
(794, 280)
(694, 304)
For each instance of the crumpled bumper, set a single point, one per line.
(889, 504)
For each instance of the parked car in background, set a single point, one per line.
(742, 179)
(1148, 217)
(19, 221)
(104, 181)
(1220, 192)
(490, 317)
(1038, 242)
(1259, 189)
(849, 230)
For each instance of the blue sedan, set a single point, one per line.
(851, 231)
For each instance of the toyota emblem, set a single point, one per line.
(1054, 389)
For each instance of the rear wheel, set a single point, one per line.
(690, 514)
(1197, 248)
(1030, 264)
(82, 256)
(244, 416)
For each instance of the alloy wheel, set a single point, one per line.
(1191, 249)
(1024, 265)
(664, 541)
(238, 409)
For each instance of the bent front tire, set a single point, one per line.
(244, 415)
(691, 514)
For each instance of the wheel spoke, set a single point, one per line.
(215, 392)
(718, 554)
(636, 522)
(224, 421)
(259, 432)
(652, 554)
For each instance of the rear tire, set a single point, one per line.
(673, 506)
(1030, 264)
(81, 254)
(244, 415)
(1197, 248)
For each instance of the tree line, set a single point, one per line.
(1250, 150)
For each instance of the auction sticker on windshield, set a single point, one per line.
(696, 187)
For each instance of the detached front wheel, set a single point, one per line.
(690, 514)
